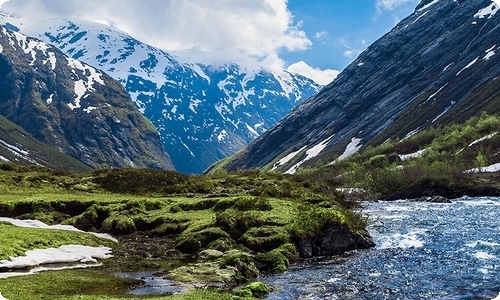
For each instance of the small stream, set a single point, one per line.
(154, 284)
(424, 251)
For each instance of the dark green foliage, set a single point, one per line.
(236, 223)
(311, 221)
(264, 238)
(277, 260)
(141, 181)
(193, 242)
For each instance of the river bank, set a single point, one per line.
(424, 251)
(215, 232)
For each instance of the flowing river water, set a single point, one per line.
(424, 251)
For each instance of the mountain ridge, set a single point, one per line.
(68, 104)
(205, 110)
(430, 69)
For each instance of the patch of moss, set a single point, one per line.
(265, 238)
(15, 241)
(278, 260)
(256, 289)
(194, 241)
(118, 224)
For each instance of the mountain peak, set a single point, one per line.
(205, 107)
(438, 65)
(66, 103)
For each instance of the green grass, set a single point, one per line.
(88, 285)
(253, 217)
(449, 152)
(15, 241)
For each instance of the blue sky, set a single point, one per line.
(316, 38)
(340, 29)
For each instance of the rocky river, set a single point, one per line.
(424, 251)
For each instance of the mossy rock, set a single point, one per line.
(223, 244)
(277, 260)
(198, 205)
(206, 272)
(243, 262)
(92, 218)
(224, 204)
(119, 225)
(256, 289)
(210, 254)
(252, 203)
(265, 238)
(194, 241)
(236, 223)
(169, 229)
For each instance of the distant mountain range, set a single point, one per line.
(61, 105)
(440, 65)
(204, 108)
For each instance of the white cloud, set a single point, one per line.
(323, 34)
(352, 52)
(391, 4)
(234, 28)
(323, 77)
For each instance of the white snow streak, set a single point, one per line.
(431, 97)
(489, 169)
(286, 159)
(310, 154)
(428, 5)
(489, 11)
(489, 52)
(468, 66)
(351, 148)
(483, 139)
(419, 153)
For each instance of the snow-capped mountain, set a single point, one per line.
(204, 108)
(439, 65)
(65, 103)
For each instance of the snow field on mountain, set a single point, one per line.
(310, 154)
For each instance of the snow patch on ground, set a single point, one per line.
(351, 148)
(286, 159)
(63, 254)
(489, 136)
(310, 154)
(83, 86)
(41, 225)
(489, 169)
(419, 153)
(488, 11)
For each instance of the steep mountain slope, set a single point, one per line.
(68, 104)
(437, 66)
(204, 108)
(18, 146)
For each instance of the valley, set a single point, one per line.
(125, 167)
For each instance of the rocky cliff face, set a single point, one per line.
(79, 109)
(439, 65)
(204, 108)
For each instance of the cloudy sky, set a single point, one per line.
(313, 37)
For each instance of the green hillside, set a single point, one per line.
(20, 147)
